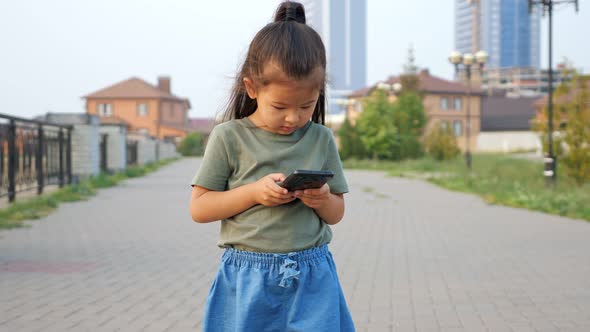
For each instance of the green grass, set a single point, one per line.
(38, 207)
(498, 179)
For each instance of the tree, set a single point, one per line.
(576, 160)
(571, 117)
(376, 127)
(409, 79)
(409, 119)
(410, 66)
(192, 145)
(351, 145)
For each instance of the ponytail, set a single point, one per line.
(291, 44)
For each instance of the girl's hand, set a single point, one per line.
(268, 193)
(314, 198)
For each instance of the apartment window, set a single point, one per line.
(444, 125)
(457, 127)
(142, 109)
(104, 109)
(444, 103)
(457, 104)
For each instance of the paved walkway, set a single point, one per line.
(411, 257)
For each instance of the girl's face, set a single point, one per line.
(283, 105)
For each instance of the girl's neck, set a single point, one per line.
(255, 120)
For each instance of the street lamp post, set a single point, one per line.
(468, 60)
(550, 171)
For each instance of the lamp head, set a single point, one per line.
(455, 58)
(481, 57)
(468, 59)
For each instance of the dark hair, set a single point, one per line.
(295, 47)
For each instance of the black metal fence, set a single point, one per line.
(103, 153)
(132, 152)
(33, 154)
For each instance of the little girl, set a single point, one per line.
(276, 273)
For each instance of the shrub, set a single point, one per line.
(192, 145)
(441, 144)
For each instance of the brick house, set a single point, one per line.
(204, 126)
(145, 108)
(445, 104)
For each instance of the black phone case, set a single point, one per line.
(306, 179)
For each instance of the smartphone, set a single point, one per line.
(306, 179)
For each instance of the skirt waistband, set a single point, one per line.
(261, 258)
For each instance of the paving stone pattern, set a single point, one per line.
(411, 257)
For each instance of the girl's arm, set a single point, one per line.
(330, 207)
(333, 210)
(209, 205)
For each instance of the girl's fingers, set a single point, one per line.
(276, 201)
(317, 192)
(282, 193)
(277, 177)
(273, 186)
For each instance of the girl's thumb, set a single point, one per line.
(278, 176)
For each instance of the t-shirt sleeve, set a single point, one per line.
(215, 168)
(338, 183)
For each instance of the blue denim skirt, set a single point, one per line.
(297, 291)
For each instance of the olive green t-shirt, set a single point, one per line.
(240, 153)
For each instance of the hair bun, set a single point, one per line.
(290, 11)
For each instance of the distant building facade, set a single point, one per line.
(203, 126)
(143, 107)
(445, 105)
(506, 125)
(343, 27)
(524, 82)
(503, 28)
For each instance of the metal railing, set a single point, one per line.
(33, 154)
(103, 153)
(132, 152)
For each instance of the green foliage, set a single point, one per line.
(498, 179)
(541, 126)
(441, 144)
(135, 171)
(409, 118)
(192, 145)
(410, 83)
(351, 145)
(577, 134)
(410, 66)
(377, 129)
(387, 131)
(571, 116)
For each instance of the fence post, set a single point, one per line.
(60, 138)
(11, 161)
(39, 159)
(103, 153)
(157, 149)
(69, 155)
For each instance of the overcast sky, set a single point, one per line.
(54, 52)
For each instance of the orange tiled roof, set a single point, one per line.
(133, 88)
(428, 83)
